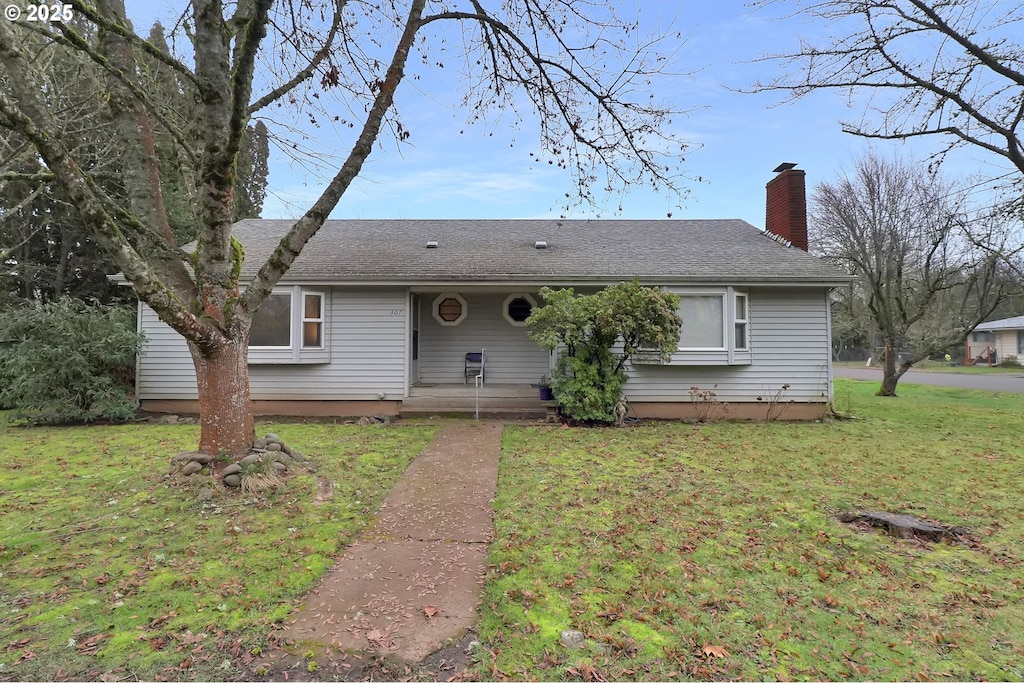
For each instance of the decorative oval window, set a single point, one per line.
(449, 309)
(517, 308)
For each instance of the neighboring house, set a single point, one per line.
(1000, 338)
(375, 313)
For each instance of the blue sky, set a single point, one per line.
(486, 170)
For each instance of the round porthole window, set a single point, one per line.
(517, 308)
(449, 309)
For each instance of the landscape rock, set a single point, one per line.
(260, 444)
(191, 467)
(233, 480)
(279, 466)
(205, 495)
(251, 459)
(572, 639)
(272, 438)
(363, 421)
(273, 446)
(168, 420)
(233, 468)
(381, 417)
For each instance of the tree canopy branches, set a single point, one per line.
(923, 68)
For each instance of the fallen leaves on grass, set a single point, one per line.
(90, 646)
(715, 651)
(586, 672)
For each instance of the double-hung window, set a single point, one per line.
(289, 327)
(312, 320)
(740, 322)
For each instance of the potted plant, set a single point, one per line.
(545, 388)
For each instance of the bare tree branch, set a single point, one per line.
(307, 71)
(953, 68)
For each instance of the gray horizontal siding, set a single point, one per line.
(789, 344)
(165, 368)
(367, 356)
(512, 358)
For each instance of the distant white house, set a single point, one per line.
(376, 314)
(1000, 338)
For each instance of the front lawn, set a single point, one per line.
(110, 569)
(714, 552)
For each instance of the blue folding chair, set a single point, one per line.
(474, 365)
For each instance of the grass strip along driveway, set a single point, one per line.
(714, 552)
(109, 569)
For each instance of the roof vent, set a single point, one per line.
(432, 244)
(540, 244)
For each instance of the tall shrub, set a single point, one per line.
(68, 361)
(597, 334)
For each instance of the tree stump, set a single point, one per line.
(903, 526)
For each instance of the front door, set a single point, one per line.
(414, 337)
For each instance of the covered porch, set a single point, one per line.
(446, 325)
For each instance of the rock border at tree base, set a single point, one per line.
(269, 450)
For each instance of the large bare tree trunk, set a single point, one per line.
(222, 376)
(893, 370)
(889, 381)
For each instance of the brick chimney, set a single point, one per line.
(786, 207)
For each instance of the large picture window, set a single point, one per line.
(272, 323)
(716, 329)
(703, 321)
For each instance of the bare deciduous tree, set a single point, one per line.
(589, 76)
(908, 237)
(949, 68)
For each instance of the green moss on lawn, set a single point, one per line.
(661, 539)
(107, 566)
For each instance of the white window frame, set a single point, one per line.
(737, 321)
(297, 352)
(725, 320)
(436, 306)
(729, 354)
(291, 322)
(304, 320)
(508, 300)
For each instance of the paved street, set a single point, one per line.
(1008, 382)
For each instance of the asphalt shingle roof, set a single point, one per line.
(727, 250)
(1004, 324)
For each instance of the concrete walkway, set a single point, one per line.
(412, 580)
